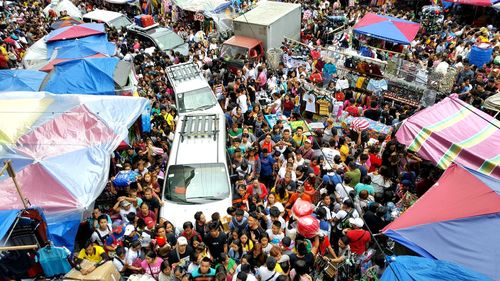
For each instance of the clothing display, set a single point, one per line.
(54, 260)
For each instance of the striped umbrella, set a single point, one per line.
(360, 123)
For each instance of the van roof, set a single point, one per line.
(103, 15)
(199, 138)
(186, 77)
(267, 12)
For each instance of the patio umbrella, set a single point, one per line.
(387, 28)
(21, 80)
(36, 55)
(68, 21)
(76, 31)
(360, 123)
(60, 146)
(50, 65)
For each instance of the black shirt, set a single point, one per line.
(372, 114)
(216, 245)
(152, 203)
(258, 232)
(308, 258)
(173, 257)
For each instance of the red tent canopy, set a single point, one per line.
(483, 3)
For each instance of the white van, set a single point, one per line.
(111, 19)
(197, 177)
(192, 91)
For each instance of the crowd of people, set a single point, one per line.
(357, 182)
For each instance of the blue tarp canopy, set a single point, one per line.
(81, 47)
(387, 28)
(91, 76)
(21, 80)
(409, 268)
(7, 218)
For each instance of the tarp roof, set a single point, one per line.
(409, 268)
(7, 218)
(76, 31)
(21, 80)
(454, 131)
(86, 46)
(483, 3)
(455, 220)
(387, 28)
(50, 65)
(63, 5)
(92, 76)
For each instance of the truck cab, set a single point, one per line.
(238, 49)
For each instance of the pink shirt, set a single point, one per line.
(152, 269)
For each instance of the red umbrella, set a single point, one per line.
(76, 31)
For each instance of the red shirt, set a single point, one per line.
(375, 162)
(352, 110)
(263, 191)
(358, 239)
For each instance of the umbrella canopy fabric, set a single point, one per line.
(50, 65)
(63, 5)
(79, 49)
(92, 76)
(456, 220)
(76, 31)
(99, 43)
(482, 3)
(36, 55)
(454, 131)
(7, 219)
(387, 28)
(60, 147)
(21, 80)
(492, 102)
(410, 268)
(65, 22)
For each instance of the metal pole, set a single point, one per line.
(12, 174)
(15, 248)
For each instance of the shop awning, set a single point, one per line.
(387, 28)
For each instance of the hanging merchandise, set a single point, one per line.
(54, 260)
(323, 106)
(377, 86)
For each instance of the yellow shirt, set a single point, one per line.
(95, 257)
(170, 120)
(344, 152)
(299, 140)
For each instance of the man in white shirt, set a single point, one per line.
(242, 101)
(267, 272)
(102, 232)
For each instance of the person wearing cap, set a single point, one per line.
(358, 237)
(124, 207)
(306, 149)
(115, 238)
(181, 253)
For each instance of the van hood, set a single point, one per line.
(178, 214)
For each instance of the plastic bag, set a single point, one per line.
(308, 226)
(124, 178)
(302, 208)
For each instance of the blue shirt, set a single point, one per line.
(54, 260)
(266, 165)
(197, 273)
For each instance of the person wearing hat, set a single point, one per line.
(124, 207)
(306, 149)
(358, 237)
(115, 238)
(181, 253)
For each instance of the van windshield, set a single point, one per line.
(198, 99)
(230, 52)
(197, 183)
(119, 22)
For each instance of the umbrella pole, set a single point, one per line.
(8, 166)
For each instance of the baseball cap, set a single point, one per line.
(129, 229)
(125, 203)
(357, 222)
(308, 140)
(149, 222)
(182, 241)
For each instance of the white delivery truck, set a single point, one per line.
(260, 29)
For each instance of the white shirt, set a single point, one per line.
(242, 102)
(124, 213)
(329, 156)
(340, 190)
(119, 265)
(131, 256)
(310, 102)
(104, 234)
(266, 274)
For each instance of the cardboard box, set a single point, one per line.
(105, 272)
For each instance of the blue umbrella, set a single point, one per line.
(21, 80)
